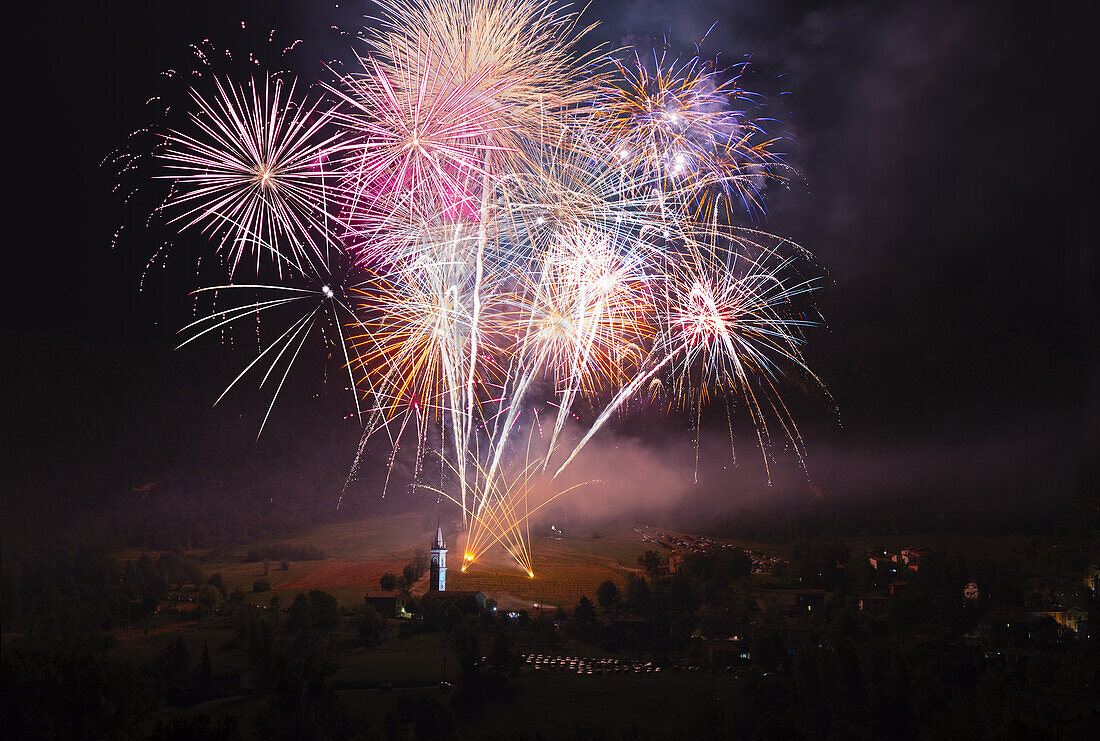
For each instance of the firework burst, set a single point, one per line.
(519, 229)
(253, 174)
(690, 130)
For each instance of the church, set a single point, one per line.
(438, 570)
(437, 574)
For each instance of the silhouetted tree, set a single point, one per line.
(300, 617)
(175, 657)
(606, 594)
(218, 582)
(370, 624)
(208, 598)
(651, 562)
(204, 676)
(325, 608)
(584, 617)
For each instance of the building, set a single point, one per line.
(728, 653)
(389, 604)
(912, 556)
(438, 571)
(468, 602)
(883, 562)
(873, 605)
(675, 562)
(805, 600)
(1092, 578)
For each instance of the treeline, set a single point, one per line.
(61, 684)
(85, 588)
(285, 552)
(73, 590)
(837, 671)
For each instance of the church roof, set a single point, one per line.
(439, 544)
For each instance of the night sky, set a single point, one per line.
(945, 181)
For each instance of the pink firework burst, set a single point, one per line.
(253, 175)
(424, 147)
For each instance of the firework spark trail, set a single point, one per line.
(500, 520)
(496, 222)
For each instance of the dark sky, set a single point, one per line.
(945, 159)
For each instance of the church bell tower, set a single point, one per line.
(439, 563)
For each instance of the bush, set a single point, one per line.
(261, 585)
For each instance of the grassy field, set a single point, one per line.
(564, 569)
(415, 661)
(568, 706)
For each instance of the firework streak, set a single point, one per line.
(509, 241)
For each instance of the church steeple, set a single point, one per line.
(438, 571)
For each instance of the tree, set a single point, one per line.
(637, 591)
(171, 568)
(584, 617)
(370, 624)
(218, 582)
(409, 573)
(261, 585)
(502, 653)
(388, 582)
(175, 657)
(275, 604)
(606, 594)
(768, 650)
(426, 717)
(325, 608)
(208, 598)
(204, 676)
(196, 728)
(651, 562)
(420, 560)
(301, 614)
(466, 644)
(192, 571)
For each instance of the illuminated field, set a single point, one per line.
(564, 569)
(359, 552)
